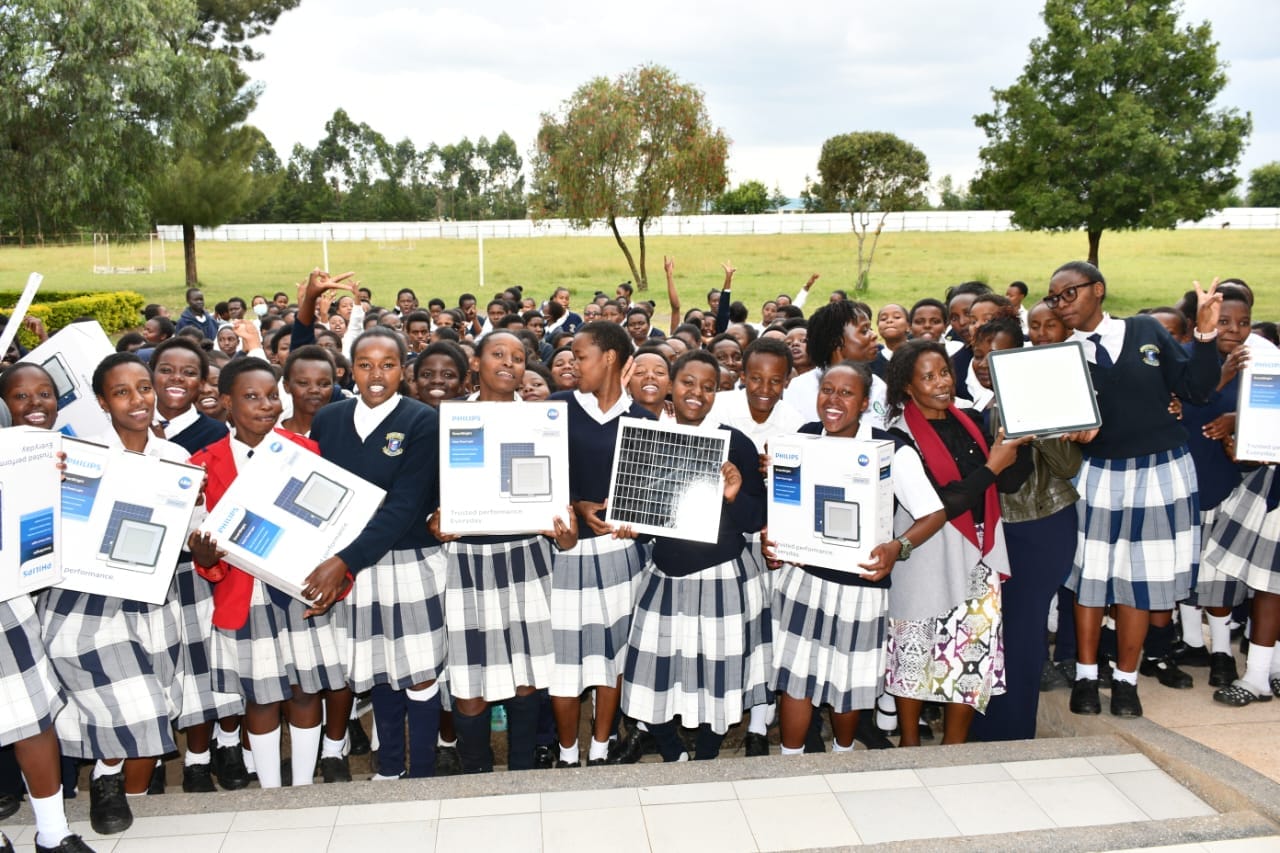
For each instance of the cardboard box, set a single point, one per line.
(504, 467)
(70, 356)
(30, 510)
(830, 499)
(287, 512)
(1258, 410)
(125, 519)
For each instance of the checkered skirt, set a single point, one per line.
(395, 621)
(1211, 587)
(29, 691)
(277, 648)
(1244, 542)
(593, 591)
(828, 640)
(757, 591)
(201, 701)
(1139, 536)
(498, 612)
(119, 663)
(687, 654)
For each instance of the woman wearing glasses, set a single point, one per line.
(1138, 518)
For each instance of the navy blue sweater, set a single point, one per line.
(402, 456)
(1134, 393)
(591, 453)
(1216, 474)
(204, 432)
(678, 557)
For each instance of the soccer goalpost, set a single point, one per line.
(131, 255)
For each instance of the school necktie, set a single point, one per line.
(250, 453)
(1101, 357)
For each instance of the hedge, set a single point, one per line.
(113, 311)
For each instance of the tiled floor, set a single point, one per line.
(774, 814)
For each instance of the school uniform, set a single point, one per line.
(687, 653)
(829, 626)
(802, 396)
(593, 584)
(1244, 541)
(29, 689)
(192, 430)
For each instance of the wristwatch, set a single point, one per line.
(907, 548)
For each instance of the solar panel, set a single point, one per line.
(121, 512)
(666, 479)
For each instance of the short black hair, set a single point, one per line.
(927, 302)
(902, 369)
(233, 370)
(108, 364)
(768, 346)
(310, 352)
(384, 333)
(977, 288)
(402, 291)
(449, 349)
(8, 375)
(609, 336)
(698, 355)
(1000, 326)
(416, 316)
(1020, 286)
(130, 339)
(435, 302)
(180, 342)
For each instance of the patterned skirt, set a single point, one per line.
(828, 640)
(757, 591)
(957, 657)
(277, 649)
(201, 701)
(29, 691)
(687, 654)
(1244, 542)
(1211, 587)
(498, 612)
(395, 621)
(119, 663)
(593, 591)
(1139, 533)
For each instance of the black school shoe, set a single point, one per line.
(449, 764)
(157, 784)
(109, 811)
(1222, 670)
(1166, 672)
(9, 805)
(1053, 678)
(638, 743)
(755, 744)
(7, 846)
(70, 844)
(1184, 655)
(198, 779)
(1124, 700)
(228, 766)
(335, 769)
(359, 741)
(1084, 697)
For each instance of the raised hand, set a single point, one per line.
(1208, 307)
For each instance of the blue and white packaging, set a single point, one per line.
(1258, 409)
(830, 499)
(70, 356)
(504, 467)
(288, 511)
(30, 511)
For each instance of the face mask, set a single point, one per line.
(260, 309)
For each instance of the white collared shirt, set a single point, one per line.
(1112, 339)
(731, 409)
(591, 405)
(367, 417)
(240, 451)
(178, 423)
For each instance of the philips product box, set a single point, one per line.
(125, 520)
(830, 499)
(1258, 409)
(70, 356)
(30, 511)
(504, 467)
(288, 511)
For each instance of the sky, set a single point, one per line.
(779, 77)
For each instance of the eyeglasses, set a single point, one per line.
(1067, 295)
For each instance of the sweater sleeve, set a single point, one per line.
(303, 333)
(722, 311)
(748, 508)
(1191, 373)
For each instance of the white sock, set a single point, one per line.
(759, 722)
(195, 759)
(1257, 666)
(684, 756)
(569, 754)
(1126, 677)
(1192, 630)
(799, 750)
(836, 747)
(333, 748)
(1086, 671)
(378, 777)
(886, 713)
(1219, 633)
(440, 741)
(135, 796)
(644, 727)
(51, 819)
(597, 750)
(303, 746)
(227, 740)
(101, 769)
(248, 759)
(373, 737)
(267, 749)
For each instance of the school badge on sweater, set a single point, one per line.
(395, 444)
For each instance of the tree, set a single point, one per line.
(951, 197)
(778, 199)
(1110, 125)
(747, 197)
(634, 147)
(1264, 185)
(868, 175)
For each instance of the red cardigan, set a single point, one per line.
(233, 588)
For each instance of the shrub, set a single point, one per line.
(113, 311)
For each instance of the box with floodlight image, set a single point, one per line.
(30, 511)
(70, 356)
(287, 511)
(125, 520)
(504, 467)
(830, 499)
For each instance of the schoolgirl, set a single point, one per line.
(180, 366)
(308, 379)
(119, 661)
(497, 604)
(687, 653)
(593, 583)
(650, 383)
(829, 625)
(837, 331)
(1138, 538)
(29, 689)
(394, 613)
(267, 646)
(944, 614)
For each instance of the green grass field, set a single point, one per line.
(1144, 268)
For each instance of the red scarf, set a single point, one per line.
(945, 471)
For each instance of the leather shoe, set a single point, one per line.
(755, 744)
(198, 779)
(8, 805)
(638, 743)
(1084, 697)
(1222, 670)
(109, 811)
(335, 769)
(70, 844)
(357, 738)
(448, 763)
(156, 786)
(6, 846)
(1124, 700)
(1052, 678)
(1166, 672)
(1104, 673)
(1184, 655)
(228, 766)
(869, 734)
